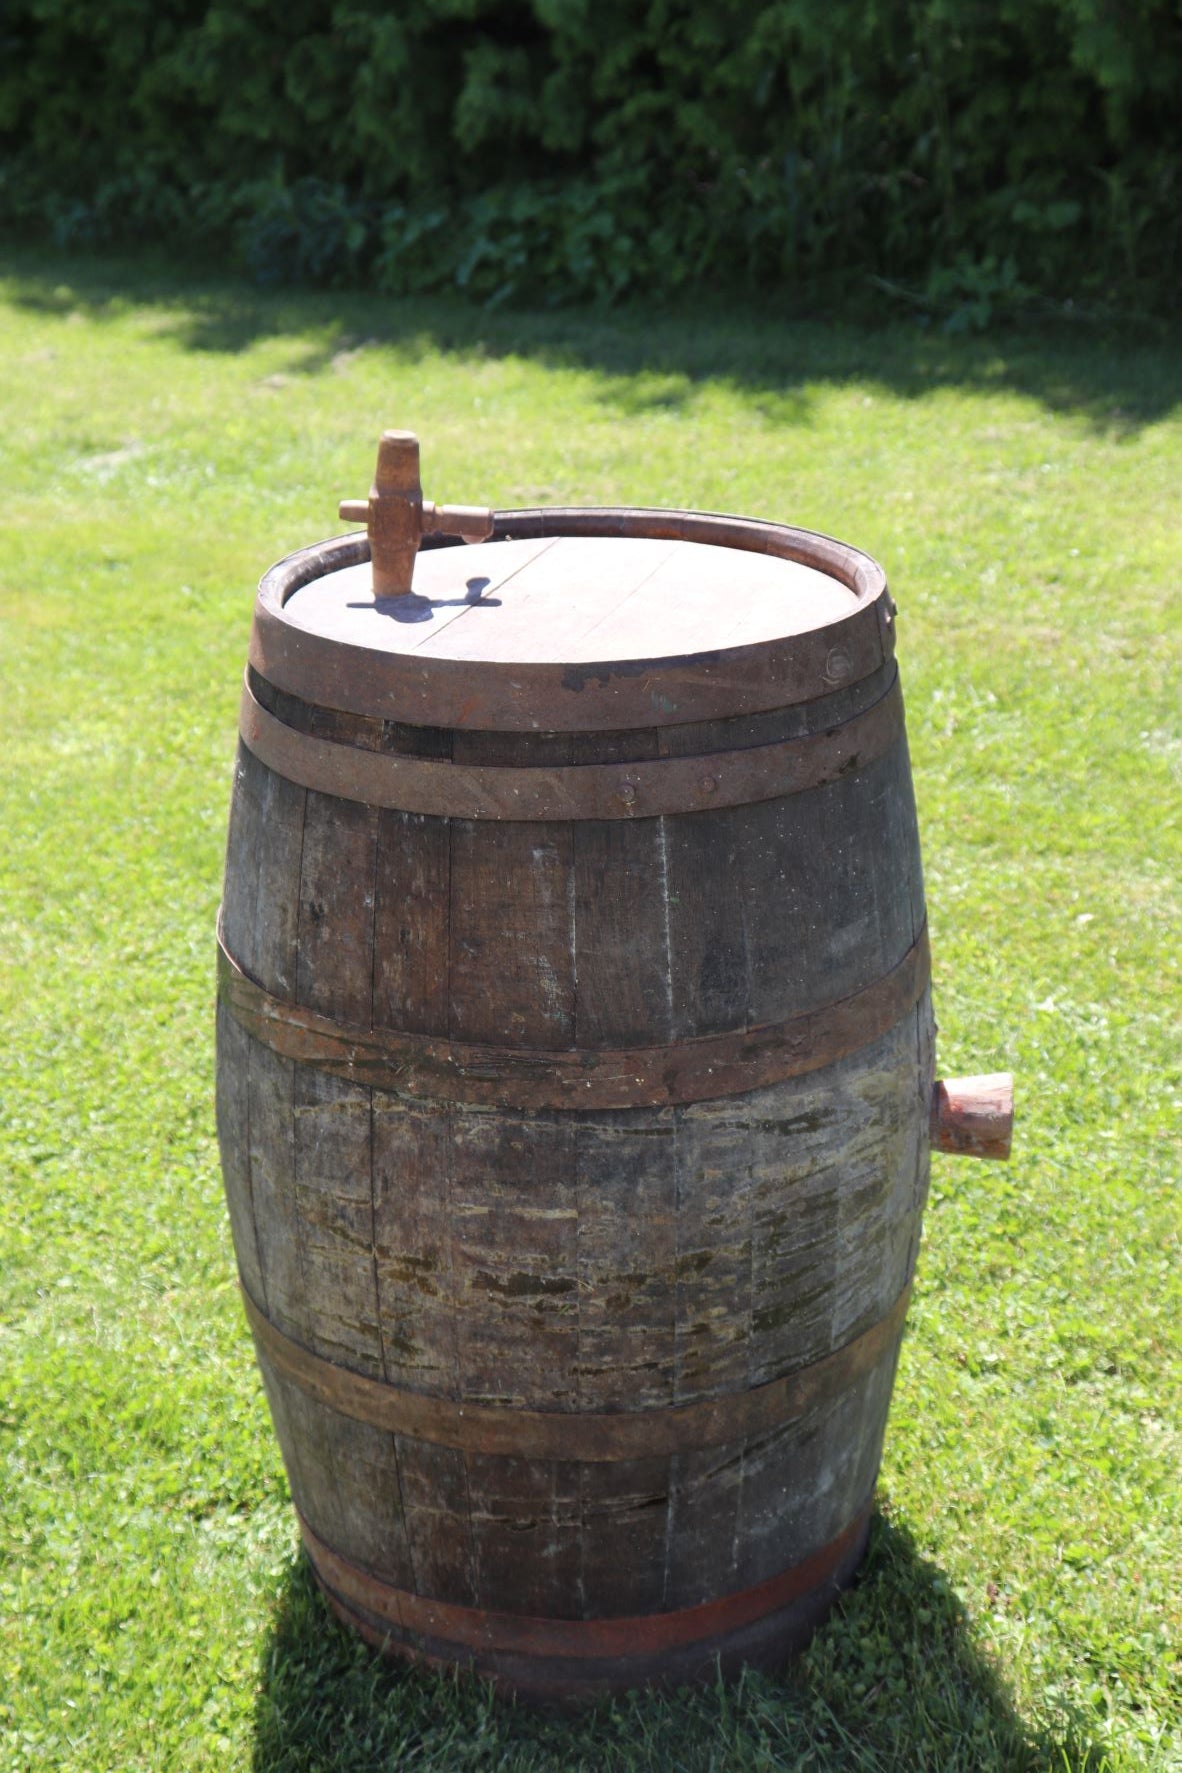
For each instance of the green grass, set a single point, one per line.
(161, 443)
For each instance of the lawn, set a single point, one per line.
(163, 440)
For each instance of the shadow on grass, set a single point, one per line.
(894, 1681)
(649, 358)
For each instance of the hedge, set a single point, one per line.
(566, 148)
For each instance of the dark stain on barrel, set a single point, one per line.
(524, 1286)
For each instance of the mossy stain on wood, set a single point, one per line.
(775, 1317)
(525, 1286)
(813, 1120)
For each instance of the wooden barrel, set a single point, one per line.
(575, 1067)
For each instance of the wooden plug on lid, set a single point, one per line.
(397, 516)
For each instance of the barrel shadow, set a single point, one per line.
(893, 1681)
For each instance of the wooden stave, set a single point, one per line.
(444, 890)
(576, 1543)
(644, 788)
(439, 1071)
(646, 1652)
(317, 1442)
(312, 1434)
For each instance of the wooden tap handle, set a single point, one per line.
(397, 516)
(472, 522)
(973, 1116)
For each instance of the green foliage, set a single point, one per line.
(306, 232)
(765, 146)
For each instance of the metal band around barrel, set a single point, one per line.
(574, 791)
(521, 1634)
(707, 1066)
(593, 1438)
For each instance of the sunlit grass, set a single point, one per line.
(160, 446)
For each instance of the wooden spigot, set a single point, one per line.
(973, 1116)
(397, 516)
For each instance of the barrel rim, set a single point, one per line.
(588, 696)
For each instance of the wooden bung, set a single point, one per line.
(973, 1116)
(397, 516)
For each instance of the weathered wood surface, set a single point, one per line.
(630, 1261)
(412, 901)
(724, 1063)
(730, 1260)
(574, 600)
(756, 913)
(577, 600)
(590, 1437)
(644, 788)
(600, 1246)
(672, 686)
(567, 1660)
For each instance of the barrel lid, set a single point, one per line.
(564, 599)
(578, 620)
